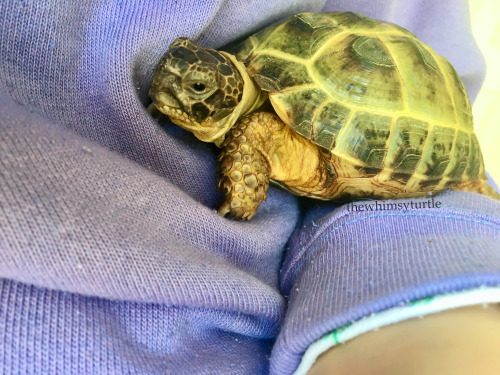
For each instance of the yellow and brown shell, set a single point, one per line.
(371, 93)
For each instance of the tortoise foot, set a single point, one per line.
(240, 209)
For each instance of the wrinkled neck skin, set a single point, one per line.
(252, 98)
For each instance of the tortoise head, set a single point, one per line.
(198, 88)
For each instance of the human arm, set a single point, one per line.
(455, 342)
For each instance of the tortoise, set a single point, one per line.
(333, 106)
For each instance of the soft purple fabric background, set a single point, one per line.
(112, 256)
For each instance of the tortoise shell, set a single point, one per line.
(370, 92)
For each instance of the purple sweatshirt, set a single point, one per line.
(113, 259)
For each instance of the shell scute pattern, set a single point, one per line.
(367, 139)
(407, 146)
(369, 92)
(275, 74)
(475, 164)
(459, 156)
(437, 153)
(301, 36)
(349, 78)
(460, 98)
(327, 123)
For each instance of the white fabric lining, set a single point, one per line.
(419, 308)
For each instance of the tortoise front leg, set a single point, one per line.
(243, 171)
(262, 147)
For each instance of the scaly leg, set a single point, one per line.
(243, 172)
(259, 148)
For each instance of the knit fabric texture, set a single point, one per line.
(113, 259)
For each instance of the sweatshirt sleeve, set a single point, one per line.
(348, 265)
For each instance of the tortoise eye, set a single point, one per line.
(198, 86)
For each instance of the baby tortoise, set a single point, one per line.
(329, 106)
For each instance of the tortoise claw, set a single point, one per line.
(238, 209)
(224, 209)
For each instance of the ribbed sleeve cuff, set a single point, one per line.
(349, 264)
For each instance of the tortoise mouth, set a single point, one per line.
(204, 131)
(179, 117)
(170, 106)
(163, 99)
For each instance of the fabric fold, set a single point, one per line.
(361, 263)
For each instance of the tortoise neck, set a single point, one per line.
(251, 99)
